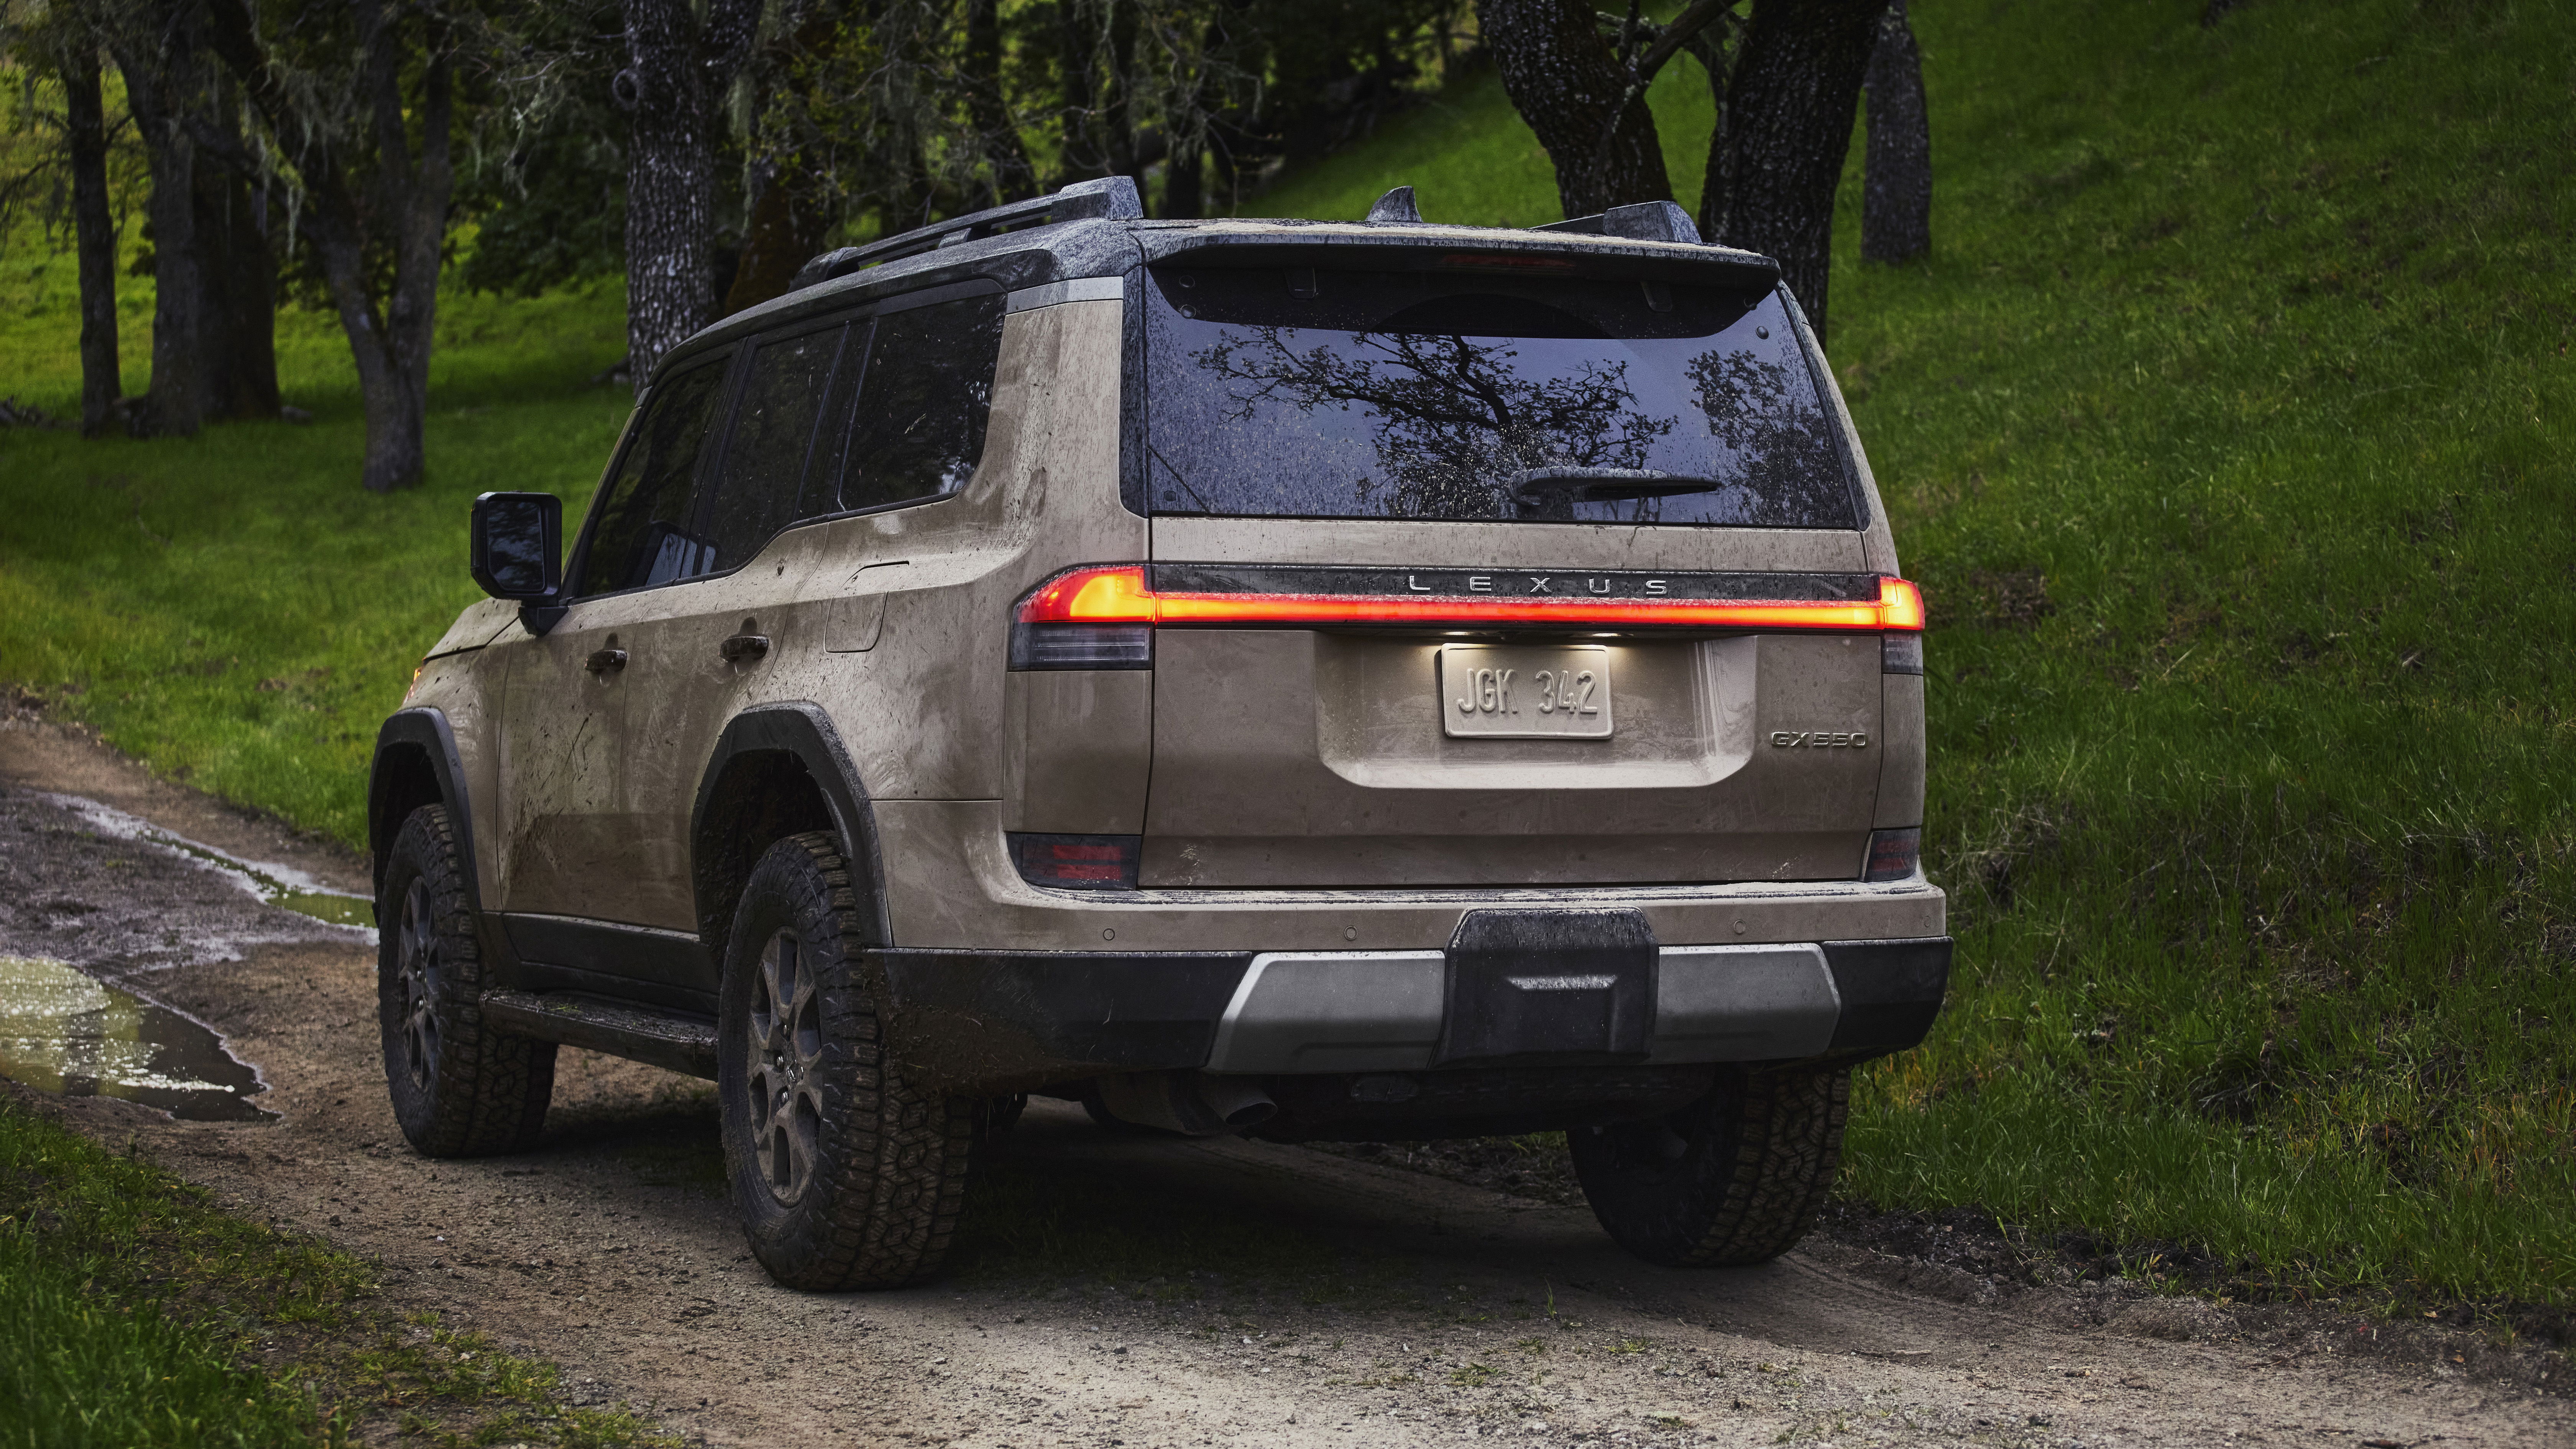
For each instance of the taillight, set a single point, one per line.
(1086, 619)
(1122, 594)
(1082, 646)
(1894, 854)
(1078, 862)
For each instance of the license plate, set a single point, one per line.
(1525, 691)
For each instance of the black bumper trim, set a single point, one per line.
(1890, 990)
(1001, 1020)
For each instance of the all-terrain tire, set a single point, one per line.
(460, 1089)
(846, 1174)
(1736, 1177)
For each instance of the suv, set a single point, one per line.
(1330, 681)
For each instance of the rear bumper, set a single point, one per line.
(986, 1021)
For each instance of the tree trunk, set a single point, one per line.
(1082, 155)
(237, 275)
(1576, 95)
(670, 183)
(86, 116)
(1718, 63)
(784, 232)
(1791, 103)
(1013, 178)
(1124, 154)
(418, 203)
(174, 407)
(1896, 194)
(402, 216)
(677, 69)
(1185, 183)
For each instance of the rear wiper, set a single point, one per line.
(1603, 485)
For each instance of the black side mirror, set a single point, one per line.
(518, 545)
(517, 553)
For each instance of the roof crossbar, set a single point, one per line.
(1108, 198)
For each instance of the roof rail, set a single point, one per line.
(1108, 198)
(1646, 221)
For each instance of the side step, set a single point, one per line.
(672, 1039)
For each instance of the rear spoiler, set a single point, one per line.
(1653, 241)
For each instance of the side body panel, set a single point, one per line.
(923, 709)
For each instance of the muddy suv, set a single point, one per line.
(1326, 681)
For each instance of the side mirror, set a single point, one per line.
(516, 552)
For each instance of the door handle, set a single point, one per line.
(603, 660)
(739, 647)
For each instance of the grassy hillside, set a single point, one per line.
(2226, 429)
(2228, 432)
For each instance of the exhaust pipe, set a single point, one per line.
(1194, 1104)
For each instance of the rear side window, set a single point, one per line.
(774, 433)
(1286, 392)
(918, 428)
(639, 533)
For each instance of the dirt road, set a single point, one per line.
(1125, 1291)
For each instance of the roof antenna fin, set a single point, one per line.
(1395, 206)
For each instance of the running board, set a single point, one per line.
(672, 1039)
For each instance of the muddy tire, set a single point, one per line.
(1736, 1177)
(846, 1175)
(460, 1089)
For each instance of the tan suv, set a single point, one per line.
(1331, 681)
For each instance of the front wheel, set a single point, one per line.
(1736, 1177)
(460, 1089)
(846, 1174)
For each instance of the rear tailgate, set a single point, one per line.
(1388, 755)
(1497, 570)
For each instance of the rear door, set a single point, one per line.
(840, 428)
(1499, 581)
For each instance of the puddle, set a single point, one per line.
(65, 1032)
(282, 886)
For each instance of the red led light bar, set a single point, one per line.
(1118, 594)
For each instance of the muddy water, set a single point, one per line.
(64, 1032)
(276, 885)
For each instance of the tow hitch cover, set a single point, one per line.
(1533, 987)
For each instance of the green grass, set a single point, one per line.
(79, 1369)
(233, 607)
(134, 1313)
(2225, 428)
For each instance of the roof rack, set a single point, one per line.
(1108, 198)
(1646, 221)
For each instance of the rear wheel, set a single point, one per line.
(1736, 1177)
(460, 1089)
(846, 1175)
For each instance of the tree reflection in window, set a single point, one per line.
(1784, 463)
(1459, 419)
(1389, 396)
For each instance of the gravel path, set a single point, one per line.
(1122, 1290)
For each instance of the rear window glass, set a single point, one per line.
(923, 402)
(1290, 392)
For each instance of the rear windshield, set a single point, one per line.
(1290, 392)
